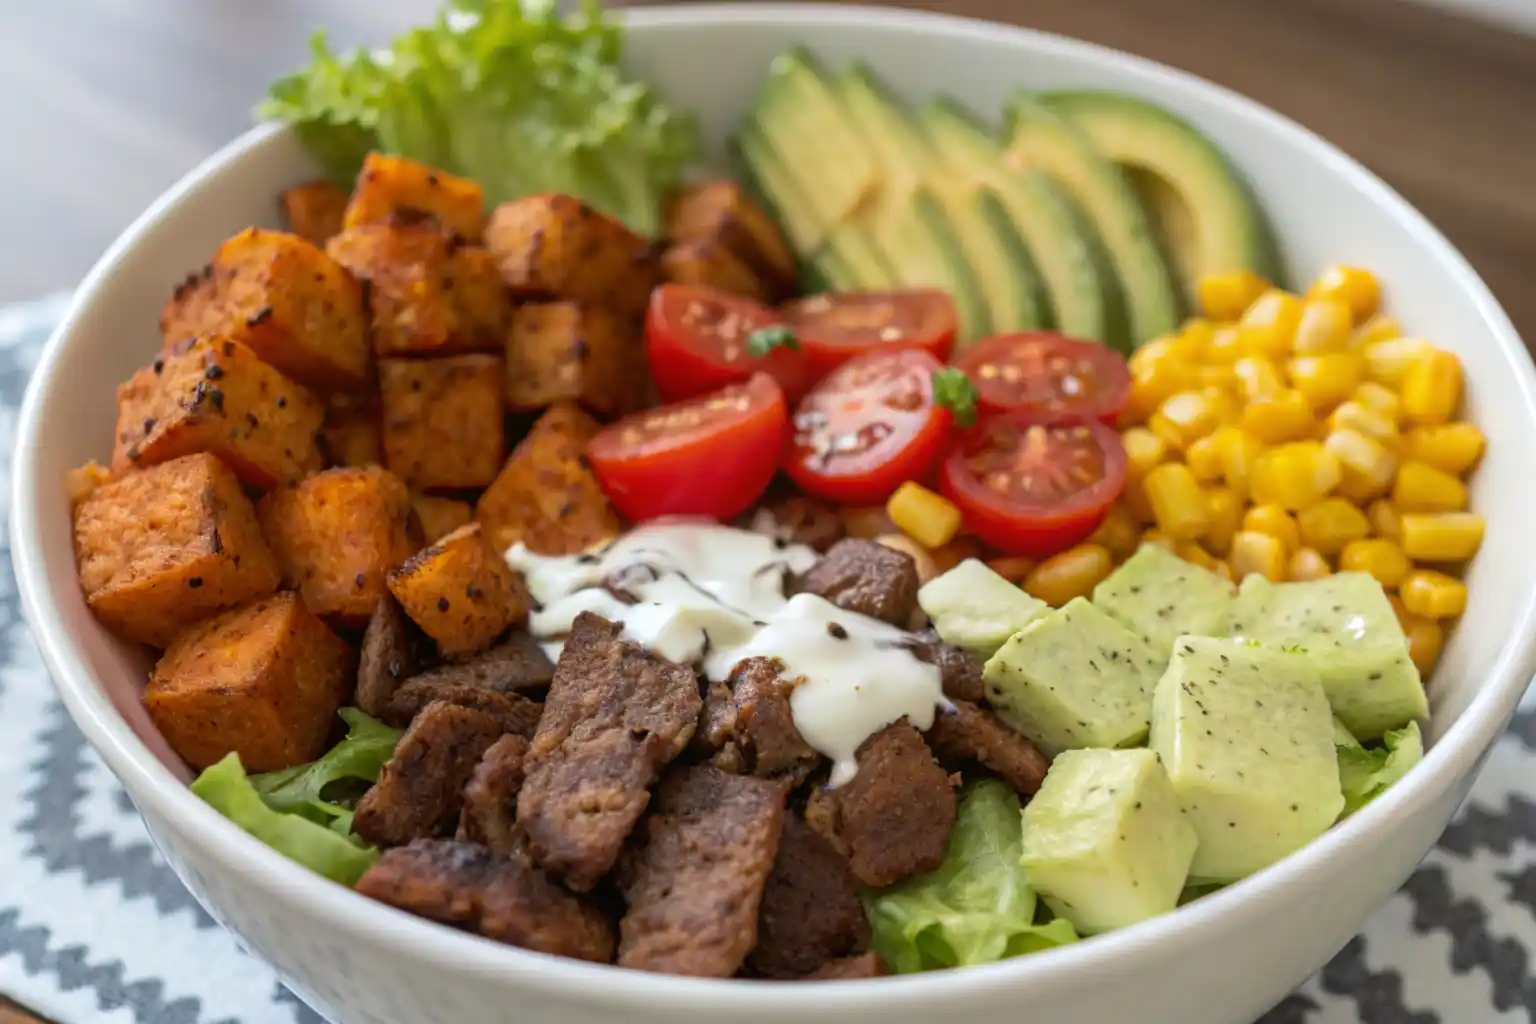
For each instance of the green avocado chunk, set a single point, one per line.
(973, 607)
(1160, 597)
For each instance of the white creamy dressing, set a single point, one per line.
(713, 595)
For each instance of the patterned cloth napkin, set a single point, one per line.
(95, 928)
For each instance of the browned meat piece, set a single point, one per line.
(893, 819)
(748, 724)
(490, 797)
(970, 734)
(394, 650)
(851, 968)
(795, 518)
(811, 912)
(866, 577)
(418, 792)
(615, 716)
(695, 881)
(506, 899)
(513, 712)
(959, 670)
(515, 665)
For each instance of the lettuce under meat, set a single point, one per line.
(357, 759)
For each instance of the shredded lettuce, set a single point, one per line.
(1366, 772)
(358, 758)
(507, 92)
(978, 906)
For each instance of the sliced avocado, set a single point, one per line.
(1038, 138)
(1105, 843)
(851, 261)
(1207, 214)
(1159, 597)
(1246, 737)
(974, 608)
(1071, 262)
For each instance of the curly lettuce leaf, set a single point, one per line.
(359, 758)
(978, 906)
(227, 788)
(507, 92)
(1366, 772)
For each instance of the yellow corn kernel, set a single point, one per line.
(1159, 538)
(1013, 568)
(1403, 618)
(1225, 346)
(1284, 416)
(1276, 522)
(1442, 537)
(1134, 498)
(1331, 524)
(1070, 573)
(930, 519)
(1377, 556)
(1355, 415)
(1324, 327)
(1204, 458)
(1326, 380)
(1223, 568)
(1268, 325)
(1257, 553)
(1152, 385)
(1421, 487)
(1378, 328)
(1225, 510)
(1258, 377)
(1177, 502)
(1307, 564)
(1365, 462)
(1239, 451)
(1217, 376)
(927, 565)
(1155, 351)
(1144, 451)
(1387, 362)
(1385, 519)
(1449, 447)
(1295, 475)
(1433, 595)
(1185, 417)
(1195, 336)
(1120, 532)
(1432, 388)
(1223, 405)
(1357, 289)
(1425, 638)
(962, 547)
(1381, 400)
(1224, 297)
(1194, 554)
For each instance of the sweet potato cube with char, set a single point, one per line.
(216, 396)
(722, 211)
(556, 245)
(352, 437)
(263, 681)
(336, 534)
(440, 516)
(707, 263)
(314, 209)
(162, 548)
(442, 420)
(461, 592)
(546, 496)
(570, 351)
(392, 189)
(427, 294)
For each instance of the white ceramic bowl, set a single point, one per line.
(1222, 961)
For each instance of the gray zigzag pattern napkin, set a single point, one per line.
(95, 928)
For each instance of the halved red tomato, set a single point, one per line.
(1048, 375)
(1028, 487)
(871, 425)
(712, 455)
(699, 340)
(835, 327)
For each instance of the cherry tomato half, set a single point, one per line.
(699, 340)
(835, 327)
(1031, 488)
(712, 455)
(871, 425)
(1048, 375)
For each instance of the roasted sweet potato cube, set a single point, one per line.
(314, 209)
(394, 190)
(546, 496)
(461, 592)
(707, 263)
(721, 210)
(440, 516)
(336, 534)
(570, 351)
(162, 548)
(352, 437)
(216, 396)
(192, 309)
(427, 294)
(263, 681)
(556, 245)
(442, 420)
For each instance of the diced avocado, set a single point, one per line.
(1105, 844)
(1246, 737)
(1350, 633)
(973, 607)
(798, 115)
(1040, 139)
(1073, 266)
(1074, 678)
(1207, 214)
(1160, 597)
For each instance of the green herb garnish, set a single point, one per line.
(765, 339)
(953, 390)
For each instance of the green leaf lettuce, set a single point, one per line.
(358, 758)
(1366, 772)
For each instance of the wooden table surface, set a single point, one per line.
(100, 122)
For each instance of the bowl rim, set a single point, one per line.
(1244, 904)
